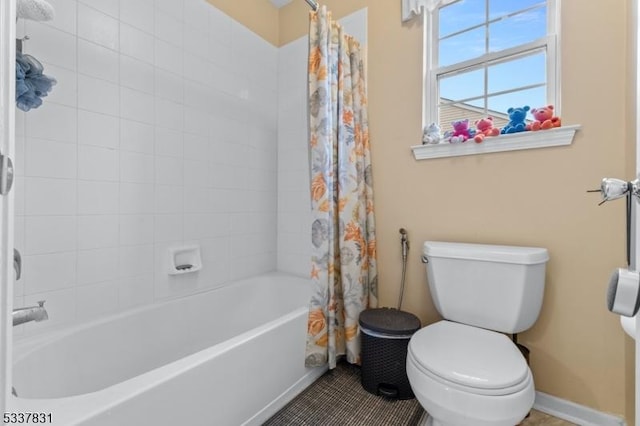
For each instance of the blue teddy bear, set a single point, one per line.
(516, 120)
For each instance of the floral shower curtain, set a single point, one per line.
(343, 260)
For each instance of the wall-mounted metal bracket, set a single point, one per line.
(20, 43)
(634, 187)
(612, 189)
(6, 174)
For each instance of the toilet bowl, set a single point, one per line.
(464, 370)
(468, 376)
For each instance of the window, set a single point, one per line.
(485, 56)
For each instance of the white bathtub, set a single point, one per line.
(230, 356)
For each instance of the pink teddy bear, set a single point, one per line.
(461, 131)
(544, 119)
(484, 128)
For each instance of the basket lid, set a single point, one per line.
(389, 321)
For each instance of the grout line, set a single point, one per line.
(77, 113)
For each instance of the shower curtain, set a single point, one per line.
(343, 264)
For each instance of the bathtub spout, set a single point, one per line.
(31, 313)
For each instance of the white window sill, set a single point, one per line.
(512, 142)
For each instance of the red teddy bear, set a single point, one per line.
(544, 119)
(484, 128)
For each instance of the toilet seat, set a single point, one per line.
(469, 359)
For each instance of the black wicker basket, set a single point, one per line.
(385, 335)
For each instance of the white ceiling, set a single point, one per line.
(280, 3)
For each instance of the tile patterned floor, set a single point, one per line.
(337, 398)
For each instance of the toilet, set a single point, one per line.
(463, 370)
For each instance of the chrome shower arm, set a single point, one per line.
(312, 4)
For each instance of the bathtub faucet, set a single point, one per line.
(31, 313)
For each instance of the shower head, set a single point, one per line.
(403, 231)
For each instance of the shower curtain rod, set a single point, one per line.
(313, 4)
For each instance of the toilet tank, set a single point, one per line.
(494, 287)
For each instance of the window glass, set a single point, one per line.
(467, 45)
(518, 29)
(490, 55)
(450, 112)
(518, 72)
(462, 86)
(532, 97)
(498, 8)
(461, 15)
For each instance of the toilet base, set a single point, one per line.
(425, 420)
(430, 421)
(457, 407)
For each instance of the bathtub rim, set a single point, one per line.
(25, 345)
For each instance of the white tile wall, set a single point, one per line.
(294, 219)
(162, 130)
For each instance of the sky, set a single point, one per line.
(522, 28)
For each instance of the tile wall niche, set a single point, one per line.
(161, 131)
(294, 216)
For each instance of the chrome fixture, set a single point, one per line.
(612, 189)
(17, 263)
(6, 174)
(31, 313)
(313, 4)
(623, 294)
(404, 244)
(20, 43)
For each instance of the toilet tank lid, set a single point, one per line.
(486, 252)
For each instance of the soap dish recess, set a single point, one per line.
(183, 260)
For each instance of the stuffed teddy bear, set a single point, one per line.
(484, 128)
(431, 134)
(461, 131)
(544, 119)
(516, 120)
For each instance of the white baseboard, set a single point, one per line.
(574, 413)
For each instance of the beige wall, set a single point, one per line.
(258, 15)
(536, 197)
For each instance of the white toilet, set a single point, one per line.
(463, 370)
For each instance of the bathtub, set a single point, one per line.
(229, 356)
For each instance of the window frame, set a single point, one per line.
(550, 43)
